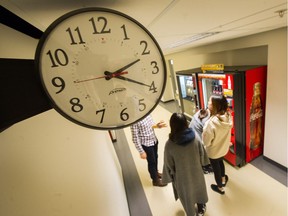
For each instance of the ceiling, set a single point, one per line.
(176, 24)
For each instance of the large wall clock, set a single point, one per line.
(101, 68)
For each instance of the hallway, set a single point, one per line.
(250, 191)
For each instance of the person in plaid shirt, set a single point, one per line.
(146, 143)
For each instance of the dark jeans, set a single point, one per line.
(219, 170)
(152, 159)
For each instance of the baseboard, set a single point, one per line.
(275, 163)
(136, 198)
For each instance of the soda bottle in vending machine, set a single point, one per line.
(256, 114)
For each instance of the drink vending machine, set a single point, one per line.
(245, 90)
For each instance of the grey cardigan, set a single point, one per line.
(182, 167)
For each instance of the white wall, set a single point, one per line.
(266, 48)
(51, 166)
(16, 45)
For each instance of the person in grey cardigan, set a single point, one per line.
(182, 166)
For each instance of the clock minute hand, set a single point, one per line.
(127, 79)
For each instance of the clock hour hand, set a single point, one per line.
(125, 78)
(125, 67)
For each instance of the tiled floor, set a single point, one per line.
(250, 191)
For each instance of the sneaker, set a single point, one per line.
(216, 189)
(201, 213)
(202, 210)
(205, 171)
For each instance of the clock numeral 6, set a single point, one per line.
(58, 58)
(76, 106)
(124, 116)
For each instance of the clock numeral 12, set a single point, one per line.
(103, 30)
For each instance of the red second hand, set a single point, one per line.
(118, 74)
(109, 76)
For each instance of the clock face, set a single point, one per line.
(101, 68)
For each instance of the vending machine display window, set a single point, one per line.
(188, 92)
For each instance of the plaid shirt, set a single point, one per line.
(143, 133)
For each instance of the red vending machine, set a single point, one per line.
(245, 90)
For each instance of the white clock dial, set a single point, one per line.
(101, 68)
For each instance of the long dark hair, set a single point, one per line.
(203, 113)
(220, 104)
(178, 123)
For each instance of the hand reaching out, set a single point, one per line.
(160, 124)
